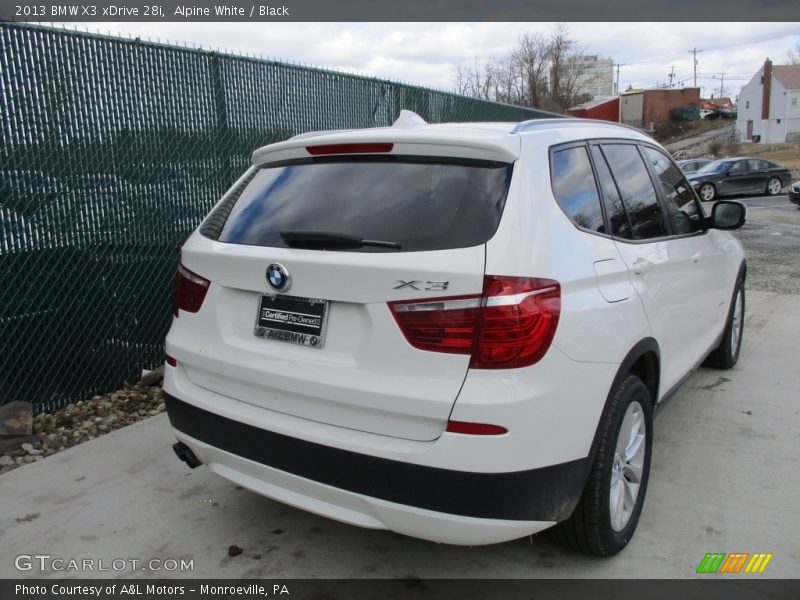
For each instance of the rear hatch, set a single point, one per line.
(349, 229)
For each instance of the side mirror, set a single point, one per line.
(728, 215)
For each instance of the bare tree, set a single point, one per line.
(569, 70)
(529, 62)
(540, 72)
(476, 80)
(793, 56)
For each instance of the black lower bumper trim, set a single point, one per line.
(545, 494)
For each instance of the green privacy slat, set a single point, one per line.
(111, 152)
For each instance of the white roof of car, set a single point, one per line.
(410, 134)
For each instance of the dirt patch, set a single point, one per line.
(675, 131)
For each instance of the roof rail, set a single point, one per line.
(536, 123)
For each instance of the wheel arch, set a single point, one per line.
(644, 361)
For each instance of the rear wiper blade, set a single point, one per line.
(296, 238)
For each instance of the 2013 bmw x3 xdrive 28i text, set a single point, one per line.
(458, 332)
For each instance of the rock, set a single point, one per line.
(161, 407)
(153, 377)
(29, 458)
(11, 444)
(30, 449)
(16, 418)
(6, 461)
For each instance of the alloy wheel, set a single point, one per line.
(626, 470)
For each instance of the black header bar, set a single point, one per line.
(193, 11)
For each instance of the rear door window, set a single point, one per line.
(617, 217)
(636, 189)
(418, 203)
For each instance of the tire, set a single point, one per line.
(726, 354)
(774, 187)
(595, 527)
(707, 192)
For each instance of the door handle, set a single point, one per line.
(697, 257)
(641, 266)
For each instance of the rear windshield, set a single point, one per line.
(416, 203)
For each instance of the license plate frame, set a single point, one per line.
(293, 319)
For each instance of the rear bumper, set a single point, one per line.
(432, 503)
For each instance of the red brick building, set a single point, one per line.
(641, 108)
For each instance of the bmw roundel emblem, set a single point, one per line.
(278, 277)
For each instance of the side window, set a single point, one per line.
(738, 167)
(684, 210)
(757, 165)
(618, 218)
(575, 188)
(637, 191)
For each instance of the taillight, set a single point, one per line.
(511, 325)
(190, 291)
(170, 361)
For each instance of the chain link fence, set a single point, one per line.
(112, 152)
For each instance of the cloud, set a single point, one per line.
(428, 53)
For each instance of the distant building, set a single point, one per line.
(648, 109)
(713, 103)
(595, 77)
(605, 109)
(769, 105)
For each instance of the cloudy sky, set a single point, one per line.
(428, 53)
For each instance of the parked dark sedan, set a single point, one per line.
(739, 176)
(794, 193)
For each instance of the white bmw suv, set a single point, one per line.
(458, 332)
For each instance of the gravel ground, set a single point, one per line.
(85, 420)
(771, 238)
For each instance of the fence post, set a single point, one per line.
(221, 131)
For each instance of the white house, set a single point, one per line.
(769, 105)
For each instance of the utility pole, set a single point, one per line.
(721, 82)
(671, 75)
(694, 52)
(616, 85)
